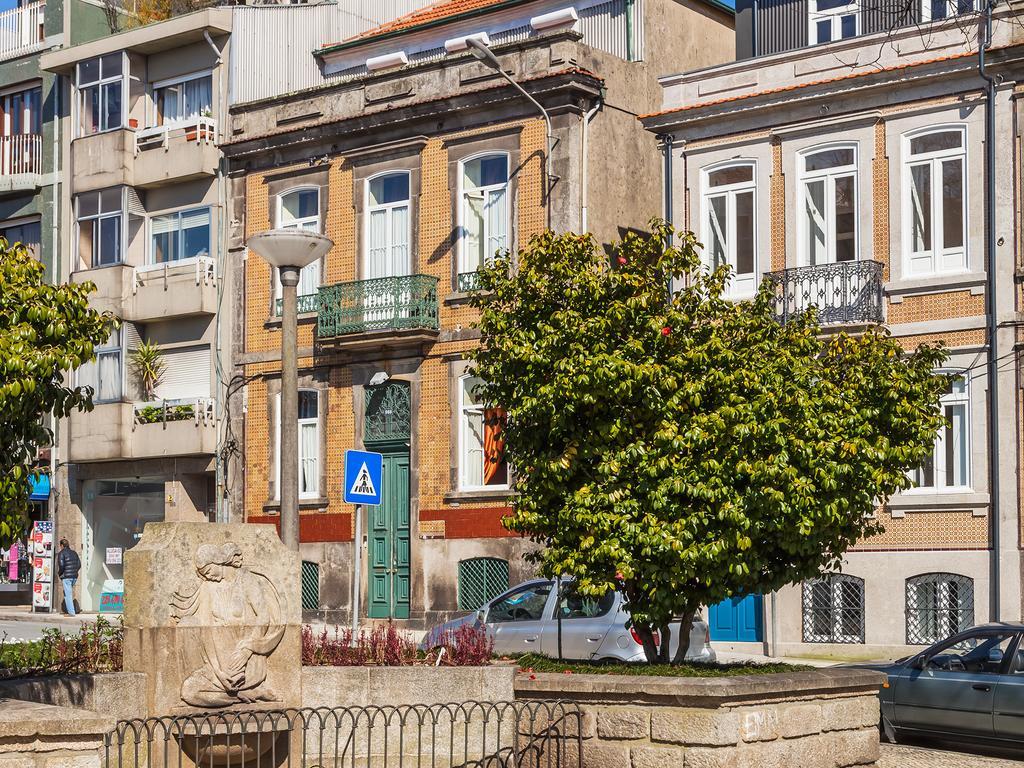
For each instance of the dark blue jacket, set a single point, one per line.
(68, 564)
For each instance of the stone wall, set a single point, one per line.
(42, 736)
(399, 686)
(822, 719)
(117, 695)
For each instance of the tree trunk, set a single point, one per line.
(685, 627)
(666, 637)
(647, 640)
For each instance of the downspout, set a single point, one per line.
(990, 294)
(630, 52)
(216, 50)
(584, 164)
(667, 140)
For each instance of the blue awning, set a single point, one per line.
(39, 489)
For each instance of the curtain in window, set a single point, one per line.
(473, 460)
(197, 95)
(108, 386)
(399, 261)
(308, 450)
(474, 225)
(495, 468)
(497, 218)
(378, 244)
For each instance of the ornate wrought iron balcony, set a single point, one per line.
(844, 292)
(408, 302)
(305, 304)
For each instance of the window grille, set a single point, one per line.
(310, 586)
(481, 579)
(938, 605)
(388, 412)
(833, 609)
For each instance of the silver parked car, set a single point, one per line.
(523, 620)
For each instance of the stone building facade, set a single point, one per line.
(419, 161)
(852, 174)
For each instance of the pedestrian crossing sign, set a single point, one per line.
(363, 471)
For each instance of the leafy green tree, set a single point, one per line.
(45, 330)
(688, 447)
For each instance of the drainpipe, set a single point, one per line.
(630, 48)
(990, 295)
(584, 164)
(667, 140)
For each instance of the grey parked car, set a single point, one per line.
(968, 687)
(523, 620)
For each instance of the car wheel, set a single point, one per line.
(886, 730)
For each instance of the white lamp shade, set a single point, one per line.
(289, 247)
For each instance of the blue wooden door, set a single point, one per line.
(737, 620)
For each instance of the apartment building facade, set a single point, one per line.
(843, 158)
(419, 162)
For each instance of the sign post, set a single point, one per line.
(364, 478)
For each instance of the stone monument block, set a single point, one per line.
(213, 616)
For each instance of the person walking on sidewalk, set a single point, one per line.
(68, 566)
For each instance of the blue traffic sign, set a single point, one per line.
(363, 475)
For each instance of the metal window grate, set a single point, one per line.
(388, 412)
(310, 586)
(481, 579)
(833, 609)
(938, 605)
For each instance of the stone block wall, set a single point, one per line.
(822, 719)
(43, 736)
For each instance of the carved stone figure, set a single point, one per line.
(239, 609)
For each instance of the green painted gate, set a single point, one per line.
(387, 426)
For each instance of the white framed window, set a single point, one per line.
(101, 88)
(482, 463)
(828, 205)
(833, 609)
(949, 466)
(832, 20)
(484, 220)
(105, 372)
(935, 200)
(28, 232)
(179, 235)
(938, 605)
(308, 420)
(387, 226)
(100, 217)
(183, 99)
(300, 209)
(728, 223)
(934, 10)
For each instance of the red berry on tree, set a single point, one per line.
(666, 331)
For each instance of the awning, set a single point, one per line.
(39, 489)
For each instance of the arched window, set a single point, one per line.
(482, 463)
(387, 226)
(483, 211)
(481, 579)
(949, 466)
(935, 200)
(728, 228)
(833, 609)
(938, 605)
(300, 209)
(828, 205)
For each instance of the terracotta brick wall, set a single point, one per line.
(958, 529)
(778, 208)
(936, 306)
(880, 200)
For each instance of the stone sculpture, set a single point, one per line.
(239, 609)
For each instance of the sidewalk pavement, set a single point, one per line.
(25, 613)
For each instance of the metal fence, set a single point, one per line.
(514, 734)
(383, 303)
(843, 292)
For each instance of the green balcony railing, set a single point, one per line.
(381, 304)
(305, 305)
(468, 282)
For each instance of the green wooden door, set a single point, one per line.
(389, 542)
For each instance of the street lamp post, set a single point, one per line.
(480, 50)
(288, 251)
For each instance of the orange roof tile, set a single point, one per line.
(798, 86)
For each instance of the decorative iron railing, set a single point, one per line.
(468, 281)
(511, 734)
(844, 292)
(305, 304)
(21, 30)
(384, 303)
(21, 153)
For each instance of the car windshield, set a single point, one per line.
(523, 604)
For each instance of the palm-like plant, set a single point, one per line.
(148, 364)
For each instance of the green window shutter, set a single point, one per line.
(310, 586)
(481, 579)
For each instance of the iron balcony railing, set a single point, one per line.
(305, 304)
(21, 153)
(468, 282)
(384, 303)
(21, 30)
(844, 292)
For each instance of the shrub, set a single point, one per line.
(385, 646)
(96, 648)
(465, 646)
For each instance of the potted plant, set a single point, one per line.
(147, 362)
